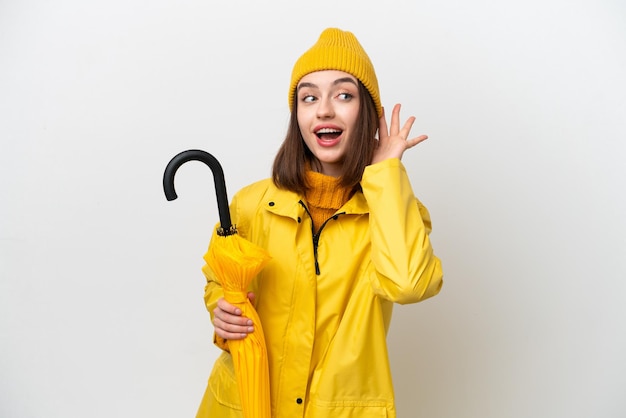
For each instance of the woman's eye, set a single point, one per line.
(345, 96)
(308, 99)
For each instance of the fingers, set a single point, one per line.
(394, 139)
(251, 297)
(229, 323)
(383, 132)
(382, 127)
(414, 141)
(394, 128)
(395, 120)
(406, 129)
(230, 331)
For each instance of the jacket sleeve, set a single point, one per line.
(406, 268)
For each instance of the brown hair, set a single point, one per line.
(291, 160)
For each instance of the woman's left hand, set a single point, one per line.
(394, 141)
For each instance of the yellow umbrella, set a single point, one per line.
(235, 262)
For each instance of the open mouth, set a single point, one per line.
(328, 134)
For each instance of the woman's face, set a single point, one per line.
(327, 110)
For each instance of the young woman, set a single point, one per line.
(347, 237)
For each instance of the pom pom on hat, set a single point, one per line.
(337, 50)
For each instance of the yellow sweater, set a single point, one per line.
(324, 196)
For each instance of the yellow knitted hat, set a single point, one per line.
(337, 50)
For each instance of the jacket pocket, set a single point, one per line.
(361, 410)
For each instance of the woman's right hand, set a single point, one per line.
(228, 322)
(393, 141)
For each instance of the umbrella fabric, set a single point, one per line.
(236, 261)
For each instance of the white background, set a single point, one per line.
(101, 310)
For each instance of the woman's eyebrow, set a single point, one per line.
(336, 82)
(305, 84)
(344, 80)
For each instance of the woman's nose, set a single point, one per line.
(325, 108)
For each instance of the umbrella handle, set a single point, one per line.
(218, 177)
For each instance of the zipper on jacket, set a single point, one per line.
(316, 235)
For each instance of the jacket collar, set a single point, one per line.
(357, 205)
(287, 203)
